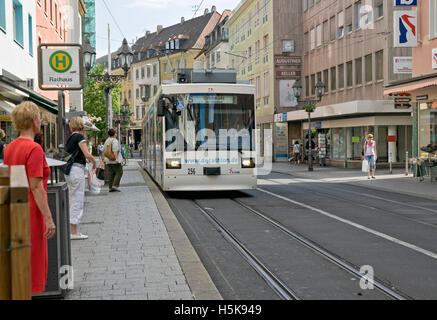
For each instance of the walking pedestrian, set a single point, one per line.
(131, 150)
(296, 153)
(2, 145)
(100, 149)
(370, 155)
(113, 160)
(77, 147)
(24, 151)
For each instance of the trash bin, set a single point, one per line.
(59, 247)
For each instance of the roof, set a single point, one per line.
(190, 30)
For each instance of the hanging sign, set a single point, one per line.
(60, 67)
(405, 3)
(434, 58)
(405, 29)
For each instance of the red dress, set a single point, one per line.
(31, 155)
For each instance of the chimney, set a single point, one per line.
(182, 20)
(147, 34)
(206, 11)
(213, 9)
(159, 29)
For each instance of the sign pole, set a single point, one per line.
(60, 119)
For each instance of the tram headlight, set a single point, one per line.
(248, 163)
(174, 164)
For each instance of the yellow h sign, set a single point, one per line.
(60, 61)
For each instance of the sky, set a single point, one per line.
(134, 17)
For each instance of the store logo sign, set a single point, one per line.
(405, 3)
(434, 58)
(405, 29)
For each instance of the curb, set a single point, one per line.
(199, 281)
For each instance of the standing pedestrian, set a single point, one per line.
(2, 145)
(112, 148)
(370, 155)
(131, 150)
(77, 147)
(24, 151)
(296, 153)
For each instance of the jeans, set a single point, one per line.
(115, 174)
(371, 160)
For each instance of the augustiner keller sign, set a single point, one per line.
(60, 67)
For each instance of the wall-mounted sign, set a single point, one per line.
(403, 65)
(60, 67)
(355, 139)
(288, 61)
(434, 58)
(392, 138)
(406, 3)
(402, 100)
(286, 93)
(422, 98)
(405, 29)
(288, 74)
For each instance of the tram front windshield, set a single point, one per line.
(213, 121)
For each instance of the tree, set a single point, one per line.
(94, 100)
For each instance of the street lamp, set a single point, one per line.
(122, 117)
(125, 55)
(309, 106)
(89, 55)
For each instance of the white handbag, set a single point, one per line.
(365, 166)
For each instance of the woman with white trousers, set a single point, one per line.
(76, 146)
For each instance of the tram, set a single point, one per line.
(199, 133)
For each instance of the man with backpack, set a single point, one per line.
(113, 161)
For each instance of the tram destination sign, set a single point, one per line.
(60, 67)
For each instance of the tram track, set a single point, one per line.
(281, 289)
(278, 286)
(344, 265)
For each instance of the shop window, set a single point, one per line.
(427, 125)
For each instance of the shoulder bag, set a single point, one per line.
(108, 151)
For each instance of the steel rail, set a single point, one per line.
(274, 282)
(328, 255)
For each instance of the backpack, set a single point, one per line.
(108, 152)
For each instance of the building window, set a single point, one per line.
(357, 15)
(319, 35)
(326, 79)
(369, 68)
(358, 71)
(148, 72)
(333, 79)
(155, 70)
(142, 73)
(349, 74)
(379, 8)
(432, 19)
(379, 65)
(349, 26)
(325, 32)
(165, 68)
(341, 76)
(312, 39)
(30, 35)
(266, 48)
(266, 85)
(137, 74)
(340, 17)
(305, 5)
(137, 94)
(18, 22)
(332, 28)
(307, 86)
(2, 15)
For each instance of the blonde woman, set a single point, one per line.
(77, 146)
(370, 155)
(24, 151)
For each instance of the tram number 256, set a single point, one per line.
(191, 171)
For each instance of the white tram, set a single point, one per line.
(199, 135)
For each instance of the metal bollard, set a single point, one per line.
(407, 171)
(391, 163)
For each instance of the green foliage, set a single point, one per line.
(94, 100)
(309, 108)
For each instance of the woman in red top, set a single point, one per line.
(24, 151)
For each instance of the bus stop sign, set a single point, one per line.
(60, 67)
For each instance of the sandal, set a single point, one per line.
(79, 236)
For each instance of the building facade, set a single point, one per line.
(18, 67)
(265, 48)
(421, 89)
(349, 46)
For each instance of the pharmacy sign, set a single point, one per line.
(60, 67)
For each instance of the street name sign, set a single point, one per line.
(60, 67)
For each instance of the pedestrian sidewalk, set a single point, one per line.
(129, 254)
(397, 182)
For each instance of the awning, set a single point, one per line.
(410, 87)
(44, 103)
(88, 125)
(6, 106)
